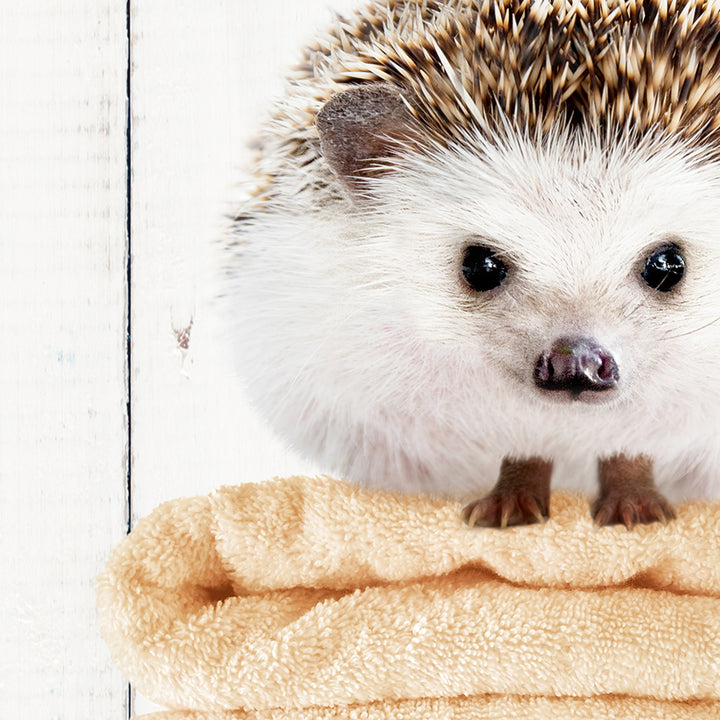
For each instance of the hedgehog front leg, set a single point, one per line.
(521, 496)
(628, 495)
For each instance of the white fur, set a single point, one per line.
(365, 349)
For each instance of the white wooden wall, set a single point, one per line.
(74, 465)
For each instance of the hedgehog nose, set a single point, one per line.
(576, 364)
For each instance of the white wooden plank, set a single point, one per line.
(62, 301)
(203, 77)
(202, 80)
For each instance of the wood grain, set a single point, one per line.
(62, 362)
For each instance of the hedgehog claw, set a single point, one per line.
(520, 497)
(628, 495)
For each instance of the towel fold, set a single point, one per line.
(313, 599)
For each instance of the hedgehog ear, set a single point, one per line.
(361, 128)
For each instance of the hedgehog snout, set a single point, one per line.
(576, 364)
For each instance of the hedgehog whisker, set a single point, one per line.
(630, 312)
(694, 330)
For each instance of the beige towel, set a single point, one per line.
(309, 599)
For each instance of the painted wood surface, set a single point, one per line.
(62, 361)
(202, 77)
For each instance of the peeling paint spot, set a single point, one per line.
(183, 336)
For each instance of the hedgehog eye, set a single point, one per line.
(482, 268)
(664, 268)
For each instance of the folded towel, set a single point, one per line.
(310, 599)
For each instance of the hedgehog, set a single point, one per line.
(480, 255)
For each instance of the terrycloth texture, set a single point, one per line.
(311, 599)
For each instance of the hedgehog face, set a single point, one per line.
(562, 252)
(573, 268)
